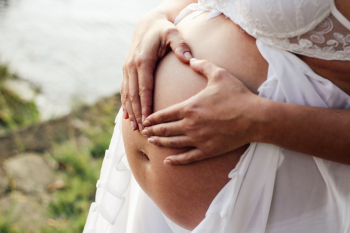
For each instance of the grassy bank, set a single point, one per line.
(79, 161)
(76, 162)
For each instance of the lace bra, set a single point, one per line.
(314, 28)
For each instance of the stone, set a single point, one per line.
(21, 88)
(29, 172)
(58, 184)
(23, 212)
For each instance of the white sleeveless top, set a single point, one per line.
(313, 28)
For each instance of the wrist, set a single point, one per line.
(262, 117)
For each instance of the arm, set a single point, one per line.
(320, 132)
(212, 126)
(154, 36)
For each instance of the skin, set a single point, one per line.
(208, 127)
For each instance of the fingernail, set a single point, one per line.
(124, 114)
(143, 118)
(140, 127)
(188, 55)
(147, 123)
(151, 140)
(132, 125)
(145, 133)
(193, 60)
(167, 161)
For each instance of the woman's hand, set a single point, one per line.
(215, 121)
(153, 37)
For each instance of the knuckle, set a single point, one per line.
(144, 90)
(190, 110)
(130, 65)
(205, 64)
(181, 43)
(163, 118)
(125, 95)
(219, 73)
(173, 143)
(191, 126)
(190, 159)
(133, 97)
(163, 130)
(140, 60)
(137, 116)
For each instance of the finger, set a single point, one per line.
(177, 43)
(146, 82)
(134, 96)
(185, 158)
(122, 95)
(172, 113)
(122, 98)
(207, 69)
(165, 130)
(172, 142)
(128, 106)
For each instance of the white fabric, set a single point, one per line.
(271, 190)
(314, 28)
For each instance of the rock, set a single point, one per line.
(4, 182)
(29, 172)
(23, 212)
(58, 184)
(21, 88)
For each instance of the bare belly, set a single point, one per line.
(184, 193)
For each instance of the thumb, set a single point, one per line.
(205, 68)
(179, 46)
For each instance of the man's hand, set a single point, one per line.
(215, 121)
(153, 38)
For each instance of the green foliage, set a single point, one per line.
(14, 111)
(6, 227)
(79, 163)
(101, 144)
(4, 73)
(81, 172)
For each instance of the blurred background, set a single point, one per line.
(60, 73)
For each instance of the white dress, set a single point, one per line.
(272, 189)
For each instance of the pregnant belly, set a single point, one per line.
(184, 193)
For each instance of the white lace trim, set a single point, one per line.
(326, 37)
(323, 42)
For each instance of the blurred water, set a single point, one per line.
(71, 49)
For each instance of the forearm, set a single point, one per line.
(171, 8)
(321, 132)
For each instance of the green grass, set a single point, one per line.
(79, 163)
(14, 112)
(80, 171)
